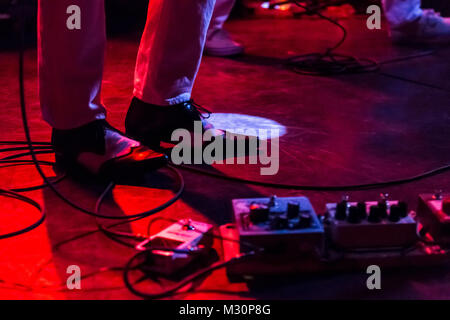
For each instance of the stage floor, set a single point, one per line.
(339, 130)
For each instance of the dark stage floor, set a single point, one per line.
(339, 130)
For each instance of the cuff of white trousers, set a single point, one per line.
(183, 97)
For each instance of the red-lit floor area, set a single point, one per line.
(339, 130)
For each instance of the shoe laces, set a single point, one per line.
(198, 109)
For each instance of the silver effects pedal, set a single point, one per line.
(279, 224)
(186, 236)
(371, 224)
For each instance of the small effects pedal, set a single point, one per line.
(176, 246)
(370, 224)
(279, 224)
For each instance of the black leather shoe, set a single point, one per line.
(152, 124)
(103, 151)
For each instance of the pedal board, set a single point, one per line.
(350, 236)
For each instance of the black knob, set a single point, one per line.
(362, 209)
(279, 223)
(305, 220)
(293, 209)
(259, 212)
(403, 207)
(374, 214)
(341, 210)
(353, 215)
(382, 205)
(394, 214)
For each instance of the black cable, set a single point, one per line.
(179, 285)
(30, 162)
(329, 63)
(15, 195)
(366, 186)
(417, 82)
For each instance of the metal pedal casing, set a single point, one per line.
(184, 235)
(365, 234)
(284, 240)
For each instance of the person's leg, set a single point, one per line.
(71, 49)
(218, 41)
(168, 60)
(171, 49)
(221, 12)
(71, 62)
(409, 23)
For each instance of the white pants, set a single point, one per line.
(399, 12)
(71, 61)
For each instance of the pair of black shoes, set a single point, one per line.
(101, 150)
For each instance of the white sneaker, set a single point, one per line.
(220, 44)
(429, 28)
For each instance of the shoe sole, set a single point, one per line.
(109, 171)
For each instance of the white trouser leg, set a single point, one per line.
(221, 12)
(71, 62)
(171, 50)
(399, 12)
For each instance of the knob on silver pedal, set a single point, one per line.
(259, 212)
(394, 214)
(293, 209)
(341, 209)
(374, 214)
(353, 215)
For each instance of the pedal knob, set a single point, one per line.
(383, 207)
(341, 210)
(272, 201)
(403, 206)
(305, 220)
(187, 226)
(293, 209)
(259, 212)
(374, 214)
(362, 210)
(279, 223)
(446, 206)
(395, 213)
(353, 215)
